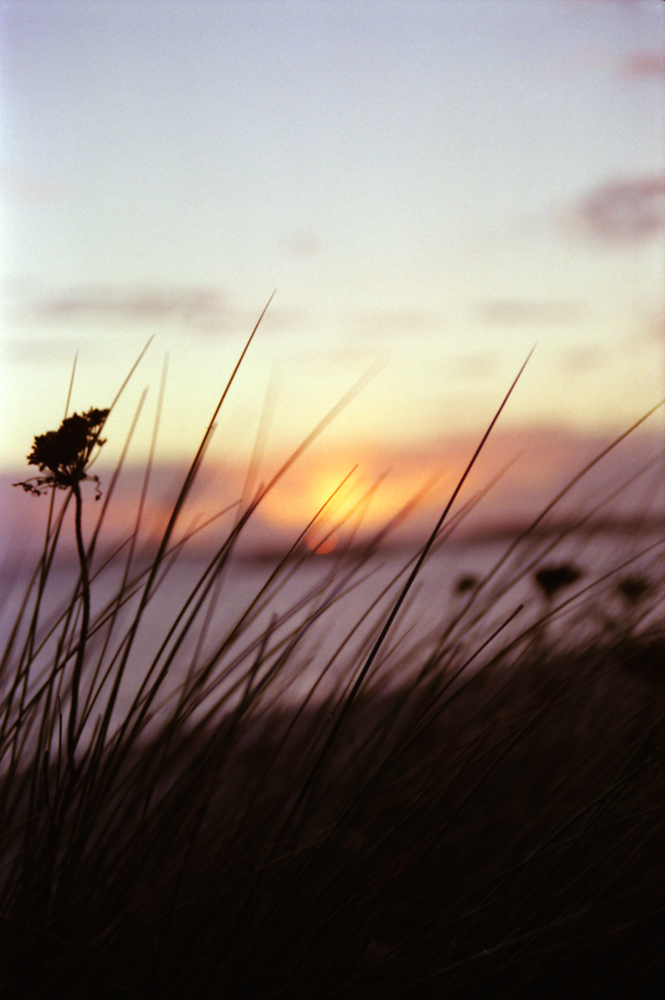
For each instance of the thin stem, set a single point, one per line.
(85, 593)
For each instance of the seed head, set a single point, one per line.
(634, 589)
(64, 454)
(553, 578)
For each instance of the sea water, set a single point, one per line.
(310, 628)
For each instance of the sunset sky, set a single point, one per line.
(432, 186)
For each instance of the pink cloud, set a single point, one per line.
(622, 211)
(649, 62)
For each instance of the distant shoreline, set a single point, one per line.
(13, 559)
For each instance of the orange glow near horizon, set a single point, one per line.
(521, 469)
(322, 543)
(366, 500)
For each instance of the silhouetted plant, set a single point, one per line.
(550, 579)
(422, 829)
(465, 583)
(65, 456)
(66, 453)
(634, 589)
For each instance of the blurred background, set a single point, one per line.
(431, 186)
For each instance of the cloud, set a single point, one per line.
(188, 303)
(528, 311)
(623, 211)
(303, 243)
(389, 321)
(200, 309)
(478, 364)
(579, 360)
(278, 318)
(45, 351)
(648, 62)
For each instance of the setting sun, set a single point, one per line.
(322, 542)
(350, 497)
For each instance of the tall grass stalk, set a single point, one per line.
(467, 804)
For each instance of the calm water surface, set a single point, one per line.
(321, 615)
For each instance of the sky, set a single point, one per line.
(430, 188)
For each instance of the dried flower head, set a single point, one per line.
(550, 579)
(465, 583)
(634, 589)
(65, 454)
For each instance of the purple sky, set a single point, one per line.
(432, 187)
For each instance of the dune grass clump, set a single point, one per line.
(466, 809)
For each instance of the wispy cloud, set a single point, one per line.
(45, 351)
(188, 303)
(647, 62)
(201, 309)
(579, 360)
(528, 312)
(622, 211)
(478, 364)
(391, 321)
(302, 243)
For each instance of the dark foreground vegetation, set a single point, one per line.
(473, 813)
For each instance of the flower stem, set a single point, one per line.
(72, 737)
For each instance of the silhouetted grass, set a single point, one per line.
(471, 809)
